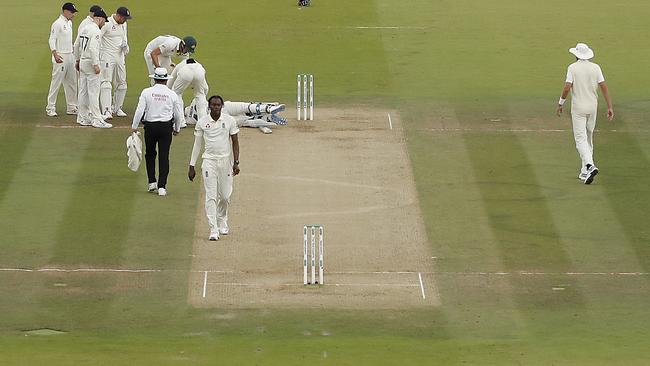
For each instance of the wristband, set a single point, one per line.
(236, 162)
(561, 101)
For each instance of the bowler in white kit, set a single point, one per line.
(583, 79)
(220, 163)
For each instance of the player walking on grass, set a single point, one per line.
(115, 47)
(583, 80)
(63, 69)
(160, 110)
(87, 55)
(220, 163)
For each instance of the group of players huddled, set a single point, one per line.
(92, 70)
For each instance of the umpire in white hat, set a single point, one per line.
(583, 79)
(161, 111)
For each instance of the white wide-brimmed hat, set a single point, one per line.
(582, 51)
(160, 73)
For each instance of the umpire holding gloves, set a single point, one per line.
(161, 111)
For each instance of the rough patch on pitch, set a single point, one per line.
(346, 170)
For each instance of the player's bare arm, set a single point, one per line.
(154, 56)
(608, 99)
(235, 153)
(565, 94)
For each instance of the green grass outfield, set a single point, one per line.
(496, 196)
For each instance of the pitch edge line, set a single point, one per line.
(100, 270)
(205, 283)
(421, 286)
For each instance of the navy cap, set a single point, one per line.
(69, 7)
(123, 11)
(94, 8)
(100, 13)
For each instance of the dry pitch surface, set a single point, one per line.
(347, 170)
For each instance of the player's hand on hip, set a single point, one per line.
(58, 59)
(97, 70)
(191, 173)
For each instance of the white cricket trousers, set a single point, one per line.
(63, 73)
(194, 78)
(217, 180)
(583, 133)
(88, 93)
(113, 75)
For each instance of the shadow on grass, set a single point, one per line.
(521, 223)
(625, 179)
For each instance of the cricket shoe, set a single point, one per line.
(120, 113)
(84, 121)
(224, 230)
(592, 171)
(162, 191)
(72, 112)
(152, 187)
(51, 114)
(214, 236)
(265, 130)
(101, 124)
(107, 115)
(277, 120)
(583, 176)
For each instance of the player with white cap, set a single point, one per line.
(86, 50)
(63, 71)
(583, 80)
(115, 47)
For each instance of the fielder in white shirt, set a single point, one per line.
(159, 52)
(220, 163)
(87, 55)
(583, 80)
(114, 48)
(190, 73)
(160, 110)
(63, 69)
(88, 19)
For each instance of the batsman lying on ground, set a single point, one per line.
(255, 115)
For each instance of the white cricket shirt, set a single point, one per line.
(158, 104)
(114, 40)
(61, 35)
(167, 44)
(87, 44)
(216, 135)
(184, 71)
(585, 77)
